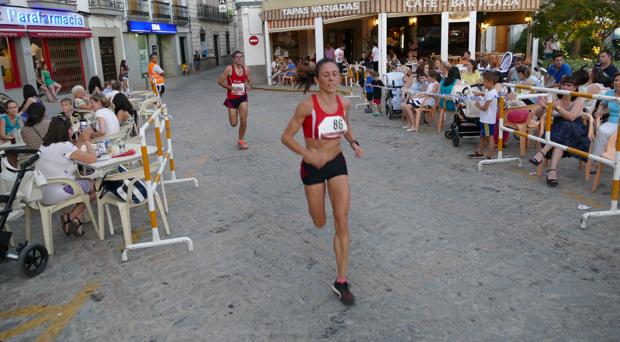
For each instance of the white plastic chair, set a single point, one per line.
(103, 204)
(48, 210)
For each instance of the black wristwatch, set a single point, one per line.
(354, 142)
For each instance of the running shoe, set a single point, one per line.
(242, 145)
(342, 290)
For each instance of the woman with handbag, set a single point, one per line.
(58, 160)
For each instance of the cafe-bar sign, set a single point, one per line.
(30, 16)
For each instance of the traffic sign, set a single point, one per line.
(253, 40)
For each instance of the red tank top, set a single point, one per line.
(237, 82)
(321, 125)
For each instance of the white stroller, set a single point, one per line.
(394, 95)
(466, 122)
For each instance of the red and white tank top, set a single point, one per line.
(237, 83)
(321, 125)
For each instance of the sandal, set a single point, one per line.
(552, 182)
(476, 155)
(535, 161)
(66, 220)
(76, 229)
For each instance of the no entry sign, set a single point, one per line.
(253, 40)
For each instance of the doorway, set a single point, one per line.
(216, 48)
(108, 60)
(182, 47)
(63, 58)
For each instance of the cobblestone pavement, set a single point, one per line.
(439, 251)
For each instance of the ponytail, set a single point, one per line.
(306, 72)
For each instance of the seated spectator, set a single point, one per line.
(66, 107)
(413, 94)
(483, 64)
(425, 102)
(107, 87)
(116, 88)
(184, 69)
(123, 108)
(609, 128)
(587, 84)
(30, 96)
(10, 122)
(53, 86)
(556, 71)
(290, 68)
(567, 129)
(411, 58)
(107, 123)
(58, 160)
(94, 85)
(41, 85)
(466, 57)
(445, 88)
(80, 99)
(471, 75)
(276, 70)
(35, 128)
(513, 76)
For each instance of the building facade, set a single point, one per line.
(78, 39)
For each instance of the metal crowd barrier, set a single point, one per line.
(615, 188)
(154, 121)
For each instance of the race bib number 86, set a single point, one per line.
(332, 127)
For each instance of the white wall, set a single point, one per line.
(252, 25)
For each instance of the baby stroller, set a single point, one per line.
(504, 67)
(394, 95)
(32, 258)
(466, 122)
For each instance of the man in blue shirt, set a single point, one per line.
(557, 70)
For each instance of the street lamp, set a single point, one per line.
(413, 21)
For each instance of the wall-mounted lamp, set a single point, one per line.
(528, 19)
(375, 21)
(413, 21)
(484, 26)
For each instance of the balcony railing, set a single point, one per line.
(114, 5)
(161, 9)
(212, 13)
(180, 13)
(55, 4)
(138, 8)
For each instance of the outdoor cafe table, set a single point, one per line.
(99, 168)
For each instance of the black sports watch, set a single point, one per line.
(355, 142)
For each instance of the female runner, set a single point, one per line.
(324, 120)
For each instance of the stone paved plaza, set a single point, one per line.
(439, 250)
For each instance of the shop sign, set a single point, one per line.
(147, 27)
(461, 3)
(321, 9)
(39, 17)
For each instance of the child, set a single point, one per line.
(488, 114)
(376, 94)
(368, 89)
(107, 87)
(66, 105)
(184, 69)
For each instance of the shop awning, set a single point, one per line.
(59, 32)
(12, 31)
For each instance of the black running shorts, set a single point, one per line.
(310, 175)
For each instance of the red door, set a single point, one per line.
(63, 58)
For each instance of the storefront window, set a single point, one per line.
(143, 51)
(286, 44)
(8, 65)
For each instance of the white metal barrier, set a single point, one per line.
(154, 121)
(615, 188)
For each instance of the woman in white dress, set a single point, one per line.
(58, 160)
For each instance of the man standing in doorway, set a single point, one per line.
(236, 79)
(339, 57)
(329, 51)
(375, 57)
(156, 75)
